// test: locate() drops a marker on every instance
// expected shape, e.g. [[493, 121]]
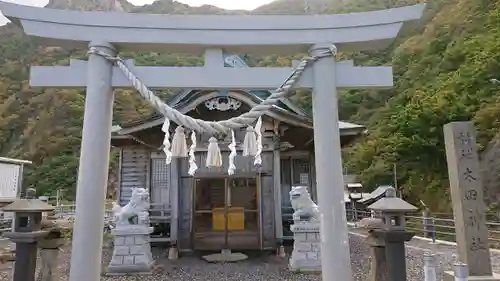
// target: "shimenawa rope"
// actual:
[[207, 126]]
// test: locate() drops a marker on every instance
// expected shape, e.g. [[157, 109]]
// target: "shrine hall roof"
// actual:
[[239, 61], [290, 112]]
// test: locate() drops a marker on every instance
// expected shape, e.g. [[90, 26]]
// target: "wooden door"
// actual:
[[226, 214]]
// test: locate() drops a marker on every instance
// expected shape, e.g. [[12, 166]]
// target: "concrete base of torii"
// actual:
[[450, 276]]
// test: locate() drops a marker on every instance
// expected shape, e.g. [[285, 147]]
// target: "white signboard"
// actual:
[[9, 179]]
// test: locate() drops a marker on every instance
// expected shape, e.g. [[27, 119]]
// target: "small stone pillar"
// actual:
[[306, 255], [378, 266], [132, 251], [50, 246], [49, 258], [427, 223], [392, 235], [26, 232]]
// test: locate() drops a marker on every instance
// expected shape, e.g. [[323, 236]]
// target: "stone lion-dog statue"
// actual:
[[137, 208], [304, 208]]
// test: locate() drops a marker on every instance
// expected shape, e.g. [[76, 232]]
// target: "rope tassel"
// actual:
[[192, 164], [258, 130], [214, 157], [166, 141], [232, 147], [250, 142], [179, 145]]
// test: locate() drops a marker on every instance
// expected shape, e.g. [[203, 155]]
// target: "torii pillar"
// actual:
[[253, 34], [329, 172], [94, 165]]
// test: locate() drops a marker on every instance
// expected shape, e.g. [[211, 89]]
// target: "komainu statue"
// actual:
[[136, 212], [304, 208], [132, 249]]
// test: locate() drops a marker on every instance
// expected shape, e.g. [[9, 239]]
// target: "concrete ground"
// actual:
[[263, 267]]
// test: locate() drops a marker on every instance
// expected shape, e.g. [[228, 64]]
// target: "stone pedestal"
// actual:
[[26, 251], [450, 276], [306, 255], [49, 258], [394, 244], [132, 251], [378, 266], [48, 266]]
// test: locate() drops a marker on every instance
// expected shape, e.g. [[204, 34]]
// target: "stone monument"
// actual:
[[466, 190], [306, 255], [132, 250]]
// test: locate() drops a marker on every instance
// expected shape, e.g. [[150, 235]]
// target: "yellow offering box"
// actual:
[[235, 219]]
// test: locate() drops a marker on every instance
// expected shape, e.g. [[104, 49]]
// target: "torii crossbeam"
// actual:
[[210, 76], [110, 32]]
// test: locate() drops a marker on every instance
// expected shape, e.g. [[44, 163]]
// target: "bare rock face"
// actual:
[[91, 5], [490, 169], [296, 7]]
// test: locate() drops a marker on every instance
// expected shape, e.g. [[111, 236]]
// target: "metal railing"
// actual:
[[433, 226], [69, 210], [5, 225], [436, 226], [158, 216]]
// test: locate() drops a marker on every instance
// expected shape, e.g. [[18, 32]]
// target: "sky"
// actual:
[[226, 4]]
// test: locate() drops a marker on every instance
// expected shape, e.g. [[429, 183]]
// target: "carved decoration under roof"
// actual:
[[223, 104], [283, 146]]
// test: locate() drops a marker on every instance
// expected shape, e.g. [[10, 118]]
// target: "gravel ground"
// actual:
[[269, 267]]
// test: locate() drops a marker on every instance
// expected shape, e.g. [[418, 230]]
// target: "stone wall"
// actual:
[[306, 255]]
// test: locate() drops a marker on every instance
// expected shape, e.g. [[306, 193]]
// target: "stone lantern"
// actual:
[[392, 210], [388, 239], [26, 231]]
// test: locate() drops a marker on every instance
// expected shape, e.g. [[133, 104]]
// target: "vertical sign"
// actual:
[[467, 197], [9, 180]]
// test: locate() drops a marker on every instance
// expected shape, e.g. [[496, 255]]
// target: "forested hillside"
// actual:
[[442, 74]]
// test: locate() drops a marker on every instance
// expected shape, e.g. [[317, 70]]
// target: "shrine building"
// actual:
[[212, 210]]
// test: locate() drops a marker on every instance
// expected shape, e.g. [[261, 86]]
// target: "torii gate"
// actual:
[[110, 32]]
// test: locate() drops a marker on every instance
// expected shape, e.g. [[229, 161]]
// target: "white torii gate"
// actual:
[[110, 32]]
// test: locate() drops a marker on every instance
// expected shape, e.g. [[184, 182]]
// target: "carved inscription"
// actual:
[[464, 138], [471, 195], [466, 146], [478, 244], [475, 219], [468, 175], [466, 154]]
